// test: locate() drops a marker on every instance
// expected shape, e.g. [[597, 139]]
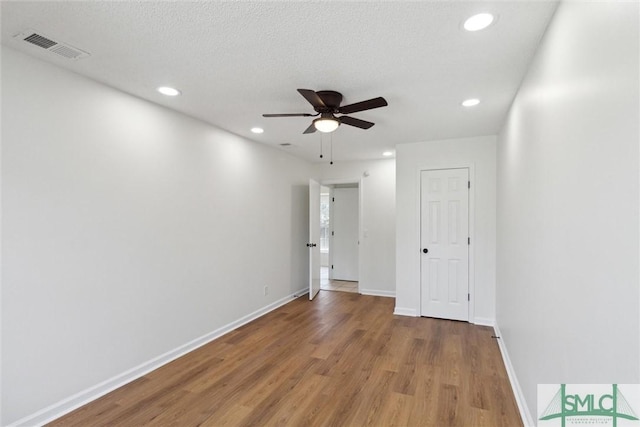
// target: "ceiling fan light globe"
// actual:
[[326, 125]]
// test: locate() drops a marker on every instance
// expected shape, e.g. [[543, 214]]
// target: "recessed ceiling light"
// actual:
[[387, 153], [478, 22], [257, 130], [470, 102], [169, 91]]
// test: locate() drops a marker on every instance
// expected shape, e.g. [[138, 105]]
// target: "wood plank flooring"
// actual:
[[340, 360], [339, 285]]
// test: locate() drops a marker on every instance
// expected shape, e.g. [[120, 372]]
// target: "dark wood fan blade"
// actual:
[[310, 129], [312, 97], [369, 104], [290, 115], [352, 121]]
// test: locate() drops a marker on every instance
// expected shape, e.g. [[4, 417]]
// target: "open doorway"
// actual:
[[339, 237]]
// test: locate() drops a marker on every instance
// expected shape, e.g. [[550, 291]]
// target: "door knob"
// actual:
[[425, 251]]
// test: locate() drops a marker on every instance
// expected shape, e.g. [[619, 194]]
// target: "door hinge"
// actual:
[[468, 297], [468, 240], [468, 184], [332, 233], [332, 266], [333, 199]]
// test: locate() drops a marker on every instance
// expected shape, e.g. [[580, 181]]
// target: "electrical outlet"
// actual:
[[266, 290]]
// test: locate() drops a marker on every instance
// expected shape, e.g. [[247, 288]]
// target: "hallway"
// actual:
[[335, 285]]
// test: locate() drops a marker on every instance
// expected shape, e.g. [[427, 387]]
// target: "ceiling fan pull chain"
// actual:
[[331, 147], [321, 145]]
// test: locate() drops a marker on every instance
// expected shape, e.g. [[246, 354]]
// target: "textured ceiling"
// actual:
[[234, 61]]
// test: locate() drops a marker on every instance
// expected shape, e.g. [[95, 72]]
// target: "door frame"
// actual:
[[359, 181], [472, 283]]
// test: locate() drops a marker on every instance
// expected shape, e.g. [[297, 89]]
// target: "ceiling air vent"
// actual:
[[38, 40], [286, 144], [45, 42]]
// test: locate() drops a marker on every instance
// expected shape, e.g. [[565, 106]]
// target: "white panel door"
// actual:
[[314, 238], [444, 251], [345, 234]]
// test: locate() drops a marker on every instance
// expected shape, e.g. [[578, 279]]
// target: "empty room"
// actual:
[[340, 213]]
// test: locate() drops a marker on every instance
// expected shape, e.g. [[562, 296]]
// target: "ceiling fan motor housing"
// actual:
[[331, 99]]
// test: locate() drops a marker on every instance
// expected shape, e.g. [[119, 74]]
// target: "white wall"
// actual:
[[377, 251], [480, 153], [128, 230], [567, 247]]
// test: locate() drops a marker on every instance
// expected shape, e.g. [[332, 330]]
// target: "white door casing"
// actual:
[[444, 234], [314, 238], [345, 234]]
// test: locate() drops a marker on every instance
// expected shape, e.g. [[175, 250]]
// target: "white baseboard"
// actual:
[[377, 293], [484, 321], [403, 311], [299, 293], [71, 403], [525, 414]]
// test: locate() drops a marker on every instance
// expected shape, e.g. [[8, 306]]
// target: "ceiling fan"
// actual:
[[326, 103]]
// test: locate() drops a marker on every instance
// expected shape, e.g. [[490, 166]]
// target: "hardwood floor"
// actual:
[[339, 285], [340, 360]]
